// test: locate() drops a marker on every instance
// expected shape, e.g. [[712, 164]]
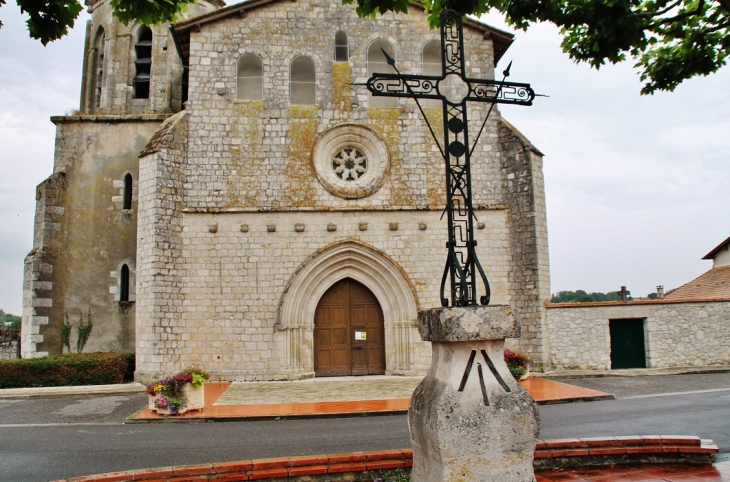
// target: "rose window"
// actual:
[[351, 160], [349, 164]]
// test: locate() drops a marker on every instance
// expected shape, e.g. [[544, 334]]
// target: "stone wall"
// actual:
[[41, 275], [248, 154], [9, 350], [238, 216], [237, 269], [9, 344], [158, 321], [530, 271], [83, 235], [676, 333]]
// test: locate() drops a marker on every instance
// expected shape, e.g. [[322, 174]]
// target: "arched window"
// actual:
[[127, 192], [124, 283], [431, 65], [342, 51], [143, 63], [378, 63], [249, 77], [302, 87], [99, 68]]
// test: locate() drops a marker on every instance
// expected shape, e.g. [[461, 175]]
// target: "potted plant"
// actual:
[[179, 393], [518, 364]]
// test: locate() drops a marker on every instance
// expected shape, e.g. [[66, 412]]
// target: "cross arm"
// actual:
[[399, 85], [500, 92]]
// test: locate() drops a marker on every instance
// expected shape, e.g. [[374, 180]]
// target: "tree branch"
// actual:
[[699, 8], [662, 12], [716, 28], [725, 4]]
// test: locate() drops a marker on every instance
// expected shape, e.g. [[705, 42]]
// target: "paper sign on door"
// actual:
[[360, 335]]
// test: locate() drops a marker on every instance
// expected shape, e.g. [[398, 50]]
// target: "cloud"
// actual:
[[636, 185], [36, 82]]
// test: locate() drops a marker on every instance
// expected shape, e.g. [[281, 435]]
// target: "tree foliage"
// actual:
[[581, 296], [7, 320], [49, 19], [669, 40], [149, 12]]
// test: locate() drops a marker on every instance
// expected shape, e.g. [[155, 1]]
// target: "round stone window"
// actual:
[[350, 161], [349, 164]]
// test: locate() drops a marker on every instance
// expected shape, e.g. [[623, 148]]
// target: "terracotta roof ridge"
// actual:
[[590, 304]]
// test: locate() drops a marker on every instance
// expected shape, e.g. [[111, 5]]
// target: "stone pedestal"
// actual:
[[469, 419]]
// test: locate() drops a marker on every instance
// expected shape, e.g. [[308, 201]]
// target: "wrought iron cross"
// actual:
[[454, 89], [624, 294]]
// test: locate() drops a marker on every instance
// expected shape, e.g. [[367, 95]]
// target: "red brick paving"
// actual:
[[719, 472]]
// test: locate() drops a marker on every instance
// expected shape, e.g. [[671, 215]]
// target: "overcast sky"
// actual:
[[637, 187]]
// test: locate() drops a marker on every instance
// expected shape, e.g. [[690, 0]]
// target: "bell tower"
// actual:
[[131, 69]]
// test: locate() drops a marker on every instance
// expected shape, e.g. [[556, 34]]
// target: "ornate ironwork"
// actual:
[[455, 89]]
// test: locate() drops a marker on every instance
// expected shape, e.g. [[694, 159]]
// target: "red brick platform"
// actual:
[[543, 391], [640, 459]]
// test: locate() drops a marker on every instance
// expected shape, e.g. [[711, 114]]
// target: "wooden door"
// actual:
[[627, 343], [349, 336]]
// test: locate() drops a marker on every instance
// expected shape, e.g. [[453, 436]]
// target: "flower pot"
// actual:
[[166, 411], [196, 396], [163, 411], [526, 375]]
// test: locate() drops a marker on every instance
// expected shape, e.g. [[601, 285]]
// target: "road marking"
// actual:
[[677, 393], [80, 424]]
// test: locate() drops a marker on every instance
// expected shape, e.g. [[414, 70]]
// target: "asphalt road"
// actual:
[[51, 438], [627, 387]]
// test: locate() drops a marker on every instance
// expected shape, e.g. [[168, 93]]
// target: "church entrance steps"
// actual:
[[340, 396]]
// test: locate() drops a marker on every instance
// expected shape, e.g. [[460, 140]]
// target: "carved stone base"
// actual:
[[469, 419]]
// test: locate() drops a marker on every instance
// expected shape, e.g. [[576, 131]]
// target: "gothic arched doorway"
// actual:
[[349, 335]]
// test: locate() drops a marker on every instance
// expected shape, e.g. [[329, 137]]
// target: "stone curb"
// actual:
[[586, 451], [636, 372], [78, 390]]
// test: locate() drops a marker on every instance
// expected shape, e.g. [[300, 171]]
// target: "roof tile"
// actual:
[[712, 284]]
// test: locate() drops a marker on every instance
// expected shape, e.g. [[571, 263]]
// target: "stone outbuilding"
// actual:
[[688, 327], [230, 196]]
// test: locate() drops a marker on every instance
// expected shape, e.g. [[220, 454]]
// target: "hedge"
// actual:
[[66, 370]]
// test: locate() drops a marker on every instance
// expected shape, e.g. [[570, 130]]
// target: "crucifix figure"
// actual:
[[454, 89]]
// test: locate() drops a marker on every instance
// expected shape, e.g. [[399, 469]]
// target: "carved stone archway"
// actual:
[[368, 266]]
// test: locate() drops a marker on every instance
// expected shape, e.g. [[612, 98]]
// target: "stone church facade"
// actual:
[[284, 224]]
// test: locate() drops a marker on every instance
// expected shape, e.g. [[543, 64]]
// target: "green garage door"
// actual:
[[627, 343]]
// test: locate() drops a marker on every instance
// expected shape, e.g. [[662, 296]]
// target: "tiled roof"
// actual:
[[720, 246], [714, 284]]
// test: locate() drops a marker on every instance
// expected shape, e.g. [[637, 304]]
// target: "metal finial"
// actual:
[[506, 71], [391, 60]]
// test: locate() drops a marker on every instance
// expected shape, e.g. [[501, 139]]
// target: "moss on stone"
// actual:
[[299, 170]]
